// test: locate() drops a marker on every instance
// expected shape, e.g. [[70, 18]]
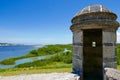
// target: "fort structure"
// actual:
[[94, 41]]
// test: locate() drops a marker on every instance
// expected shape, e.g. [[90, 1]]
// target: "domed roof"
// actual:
[[93, 8]]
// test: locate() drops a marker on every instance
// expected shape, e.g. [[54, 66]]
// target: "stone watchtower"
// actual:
[[94, 41]]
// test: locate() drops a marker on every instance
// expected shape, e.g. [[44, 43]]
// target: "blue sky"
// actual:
[[43, 21]]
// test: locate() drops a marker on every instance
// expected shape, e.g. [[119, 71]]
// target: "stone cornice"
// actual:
[[106, 25], [95, 14]]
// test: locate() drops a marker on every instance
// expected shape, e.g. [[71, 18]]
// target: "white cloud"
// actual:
[[118, 37]]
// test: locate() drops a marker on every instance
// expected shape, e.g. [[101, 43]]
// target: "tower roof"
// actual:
[[93, 8], [94, 17]]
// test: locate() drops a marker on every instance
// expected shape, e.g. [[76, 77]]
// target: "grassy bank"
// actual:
[[19, 71], [118, 54], [37, 70]]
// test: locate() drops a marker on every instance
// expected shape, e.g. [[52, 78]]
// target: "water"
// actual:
[[21, 61], [14, 51]]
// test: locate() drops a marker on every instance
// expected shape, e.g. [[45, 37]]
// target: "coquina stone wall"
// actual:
[[77, 51], [109, 49]]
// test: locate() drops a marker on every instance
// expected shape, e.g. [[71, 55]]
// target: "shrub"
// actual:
[[118, 54], [34, 52], [8, 61]]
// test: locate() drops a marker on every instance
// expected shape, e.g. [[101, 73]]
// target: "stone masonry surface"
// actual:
[[112, 73], [51, 76]]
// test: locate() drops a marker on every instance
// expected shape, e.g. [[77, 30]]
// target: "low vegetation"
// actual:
[[63, 58], [8, 61], [118, 54], [60, 62], [19, 71], [46, 50]]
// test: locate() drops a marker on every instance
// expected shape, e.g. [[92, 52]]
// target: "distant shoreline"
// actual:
[[9, 44]]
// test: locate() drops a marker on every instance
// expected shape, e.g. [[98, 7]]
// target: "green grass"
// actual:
[[118, 54], [118, 67], [57, 65], [49, 68], [37, 70], [19, 71]]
